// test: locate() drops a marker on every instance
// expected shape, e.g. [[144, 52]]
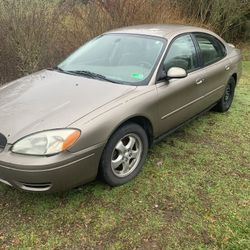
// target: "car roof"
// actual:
[[160, 30]]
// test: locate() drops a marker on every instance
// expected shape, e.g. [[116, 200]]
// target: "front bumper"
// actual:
[[49, 174]]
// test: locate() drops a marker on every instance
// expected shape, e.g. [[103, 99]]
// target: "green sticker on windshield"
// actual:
[[138, 76]]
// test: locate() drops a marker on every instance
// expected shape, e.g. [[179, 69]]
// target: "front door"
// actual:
[[180, 99]]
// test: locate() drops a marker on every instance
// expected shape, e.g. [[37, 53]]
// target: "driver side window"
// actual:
[[182, 53]]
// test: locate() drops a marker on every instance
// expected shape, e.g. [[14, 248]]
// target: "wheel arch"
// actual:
[[141, 120], [235, 76]]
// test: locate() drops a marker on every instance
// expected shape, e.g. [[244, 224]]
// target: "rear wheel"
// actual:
[[226, 101], [124, 155]]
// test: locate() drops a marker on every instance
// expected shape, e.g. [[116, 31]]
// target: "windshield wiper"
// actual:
[[92, 75], [85, 73], [57, 69]]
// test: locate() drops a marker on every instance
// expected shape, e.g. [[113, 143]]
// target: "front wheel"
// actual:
[[226, 101], [124, 154]]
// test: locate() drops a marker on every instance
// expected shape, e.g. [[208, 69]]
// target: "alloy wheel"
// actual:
[[126, 155]]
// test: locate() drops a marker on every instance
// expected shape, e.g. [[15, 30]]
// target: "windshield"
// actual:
[[120, 58]]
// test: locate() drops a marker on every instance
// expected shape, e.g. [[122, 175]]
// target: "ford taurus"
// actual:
[[99, 111]]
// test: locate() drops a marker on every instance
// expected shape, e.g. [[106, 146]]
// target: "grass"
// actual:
[[245, 50], [193, 193]]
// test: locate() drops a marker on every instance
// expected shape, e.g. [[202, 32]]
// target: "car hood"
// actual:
[[49, 100]]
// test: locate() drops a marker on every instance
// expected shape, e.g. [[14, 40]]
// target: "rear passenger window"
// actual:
[[182, 53], [212, 50]]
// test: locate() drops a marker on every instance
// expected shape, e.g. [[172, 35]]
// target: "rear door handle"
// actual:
[[200, 81], [227, 67]]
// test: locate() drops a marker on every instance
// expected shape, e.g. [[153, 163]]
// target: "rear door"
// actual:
[[216, 65], [180, 99]]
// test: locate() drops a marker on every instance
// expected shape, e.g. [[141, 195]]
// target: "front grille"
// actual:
[[3, 142]]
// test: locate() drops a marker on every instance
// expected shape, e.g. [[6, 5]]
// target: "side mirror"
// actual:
[[176, 72]]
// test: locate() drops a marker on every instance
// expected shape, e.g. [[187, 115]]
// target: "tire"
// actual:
[[124, 155], [226, 101]]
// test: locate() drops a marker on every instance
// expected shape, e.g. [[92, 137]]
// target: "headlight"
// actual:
[[46, 143]]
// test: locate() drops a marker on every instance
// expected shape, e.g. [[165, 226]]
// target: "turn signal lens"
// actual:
[[70, 140]]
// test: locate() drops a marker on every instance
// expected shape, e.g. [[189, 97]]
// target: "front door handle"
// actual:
[[227, 67], [200, 81]]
